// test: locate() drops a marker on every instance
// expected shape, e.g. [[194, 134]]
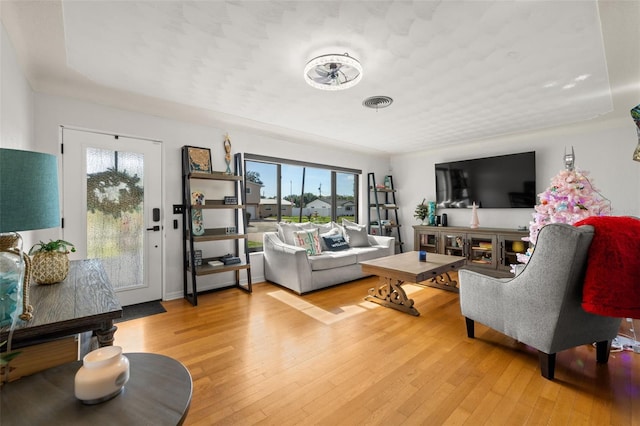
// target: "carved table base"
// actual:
[[444, 282], [391, 295]]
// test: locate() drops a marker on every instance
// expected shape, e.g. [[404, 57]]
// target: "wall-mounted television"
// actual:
[[504, 181]]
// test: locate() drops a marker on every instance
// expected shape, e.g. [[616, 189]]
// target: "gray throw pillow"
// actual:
[[357, 236]]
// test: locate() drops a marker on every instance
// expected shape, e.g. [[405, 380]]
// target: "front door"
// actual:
[[111, 208]]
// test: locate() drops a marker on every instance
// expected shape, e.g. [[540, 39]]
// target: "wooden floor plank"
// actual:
[[257, 360]]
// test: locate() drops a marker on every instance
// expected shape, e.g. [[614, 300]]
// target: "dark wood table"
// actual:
[[406, 267], [158, 393], [84, 301]]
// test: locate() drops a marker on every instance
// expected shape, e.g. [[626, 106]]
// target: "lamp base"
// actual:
[[11, 242]]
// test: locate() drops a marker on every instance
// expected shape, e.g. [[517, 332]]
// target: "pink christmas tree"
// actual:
[[570, 198]]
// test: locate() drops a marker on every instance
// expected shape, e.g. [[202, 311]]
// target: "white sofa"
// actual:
[[292, 267]]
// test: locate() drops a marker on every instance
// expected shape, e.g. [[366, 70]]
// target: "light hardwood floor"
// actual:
[[257, 360]]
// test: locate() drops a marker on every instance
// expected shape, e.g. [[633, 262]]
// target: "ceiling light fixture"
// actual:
[[333, 72]]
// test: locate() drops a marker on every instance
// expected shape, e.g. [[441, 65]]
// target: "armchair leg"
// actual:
[[470, 327], [602, 351], [547, 364]]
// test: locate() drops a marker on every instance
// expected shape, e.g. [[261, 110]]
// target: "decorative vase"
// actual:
[[197, 221], [15, 276], [103, 374], [474, 216], [11, 277], [50, 267], [431, 208]]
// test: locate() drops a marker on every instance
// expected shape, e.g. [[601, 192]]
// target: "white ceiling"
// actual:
[[458, 71]]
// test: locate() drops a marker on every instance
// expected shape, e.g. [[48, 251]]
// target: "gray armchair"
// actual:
[[541, 306]]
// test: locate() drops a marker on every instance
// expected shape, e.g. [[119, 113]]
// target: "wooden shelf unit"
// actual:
[[213, 235], [382, 202]]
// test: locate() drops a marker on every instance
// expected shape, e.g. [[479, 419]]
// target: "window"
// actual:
[[296, 191]]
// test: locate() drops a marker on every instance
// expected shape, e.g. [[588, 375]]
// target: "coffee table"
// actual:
[[406, 267]]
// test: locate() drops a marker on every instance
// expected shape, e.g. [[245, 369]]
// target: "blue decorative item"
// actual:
[[431, 212]]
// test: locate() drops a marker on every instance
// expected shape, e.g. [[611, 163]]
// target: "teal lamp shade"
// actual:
[[28, 191]]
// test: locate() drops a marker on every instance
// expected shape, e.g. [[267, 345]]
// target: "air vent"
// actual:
[[377, 102]]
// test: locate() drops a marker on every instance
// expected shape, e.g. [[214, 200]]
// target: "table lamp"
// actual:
[[28, 201]]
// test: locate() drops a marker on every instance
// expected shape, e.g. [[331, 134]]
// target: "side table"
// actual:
[[84, 301], [158, 393]]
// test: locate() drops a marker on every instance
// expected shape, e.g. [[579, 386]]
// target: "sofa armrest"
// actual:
[[285, 264], [387, 242]]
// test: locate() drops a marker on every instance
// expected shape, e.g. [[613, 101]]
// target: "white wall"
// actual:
[[603, 149], [53, 111], [16, 100], [16, 113]]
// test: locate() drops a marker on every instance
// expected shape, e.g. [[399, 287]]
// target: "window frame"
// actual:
[[278, 162]]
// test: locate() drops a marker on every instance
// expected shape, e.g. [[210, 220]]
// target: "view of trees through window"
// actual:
[[278, 190]]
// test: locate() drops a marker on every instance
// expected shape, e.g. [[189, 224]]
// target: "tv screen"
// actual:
[[505, 181]]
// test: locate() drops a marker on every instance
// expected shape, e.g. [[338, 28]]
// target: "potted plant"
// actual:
[[422, 211], [50, 262]]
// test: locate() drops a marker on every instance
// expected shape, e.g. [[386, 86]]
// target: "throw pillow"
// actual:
[[308, 240], [357, 236], [332, 231], [335, 242], [346, 222], [286, 231]]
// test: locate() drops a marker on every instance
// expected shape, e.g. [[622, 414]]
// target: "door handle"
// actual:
[[155, 228]]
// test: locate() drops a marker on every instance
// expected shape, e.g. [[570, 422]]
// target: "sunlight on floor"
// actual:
[[326, 317]]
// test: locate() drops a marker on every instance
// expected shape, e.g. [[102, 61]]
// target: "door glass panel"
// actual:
[[115, 214]]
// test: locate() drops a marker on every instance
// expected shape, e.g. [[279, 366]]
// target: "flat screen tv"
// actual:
[[505, 181]]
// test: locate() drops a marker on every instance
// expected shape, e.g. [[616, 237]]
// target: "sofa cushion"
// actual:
[[368, 253], [308, 240], [333, 259]]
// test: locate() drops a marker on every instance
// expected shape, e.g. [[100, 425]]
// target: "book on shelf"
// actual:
[[231, 260], [215, 263]]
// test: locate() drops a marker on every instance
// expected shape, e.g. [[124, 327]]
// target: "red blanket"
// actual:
[[612, 282]]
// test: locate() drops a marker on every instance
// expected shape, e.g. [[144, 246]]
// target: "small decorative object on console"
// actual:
[[475, 223], [421, 212]]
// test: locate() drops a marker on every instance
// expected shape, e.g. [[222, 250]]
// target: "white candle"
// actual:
[[102, 376]]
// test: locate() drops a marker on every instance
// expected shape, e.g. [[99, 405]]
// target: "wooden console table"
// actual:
[[158, 393], [84, 301]]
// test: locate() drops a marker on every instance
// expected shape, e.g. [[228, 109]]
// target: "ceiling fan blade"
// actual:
[[323, 80]]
